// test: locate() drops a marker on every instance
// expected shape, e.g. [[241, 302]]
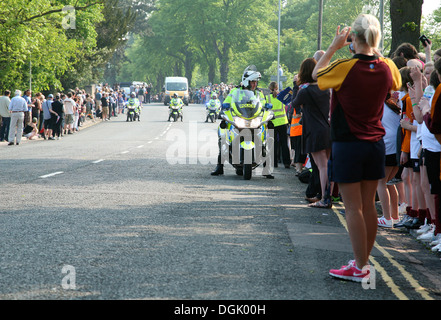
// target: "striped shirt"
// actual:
[[360, 86]]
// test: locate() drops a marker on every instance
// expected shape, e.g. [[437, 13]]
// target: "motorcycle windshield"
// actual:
[[246, 103]]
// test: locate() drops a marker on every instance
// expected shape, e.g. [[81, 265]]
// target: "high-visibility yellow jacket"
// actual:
[[278, 109]]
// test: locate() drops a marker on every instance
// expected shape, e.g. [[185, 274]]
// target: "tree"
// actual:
[[34, 33], [406, 22]]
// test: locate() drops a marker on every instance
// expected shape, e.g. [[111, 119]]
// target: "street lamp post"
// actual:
[[320, 22], [30, 72], [278, 48]]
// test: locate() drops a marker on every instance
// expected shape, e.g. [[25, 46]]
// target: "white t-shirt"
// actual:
[[390, 122], [414, 141], [428, 139], [69, 105]]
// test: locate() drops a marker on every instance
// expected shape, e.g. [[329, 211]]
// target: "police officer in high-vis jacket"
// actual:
[[280, 122], [250, 79], [133, 103], [176, 102]]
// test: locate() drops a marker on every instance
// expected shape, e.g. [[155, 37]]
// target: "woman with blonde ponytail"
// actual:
[[360, 87]]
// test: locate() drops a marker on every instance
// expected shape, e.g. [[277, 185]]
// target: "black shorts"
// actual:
[[354, 161], [47, 123], [415, 165], [391, 160], [432, 163]]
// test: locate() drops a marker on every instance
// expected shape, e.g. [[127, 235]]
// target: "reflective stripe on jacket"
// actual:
[[295, 128]]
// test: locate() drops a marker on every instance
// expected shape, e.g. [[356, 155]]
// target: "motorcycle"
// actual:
[[212, 111], [246, 138], [175, 113], [132, 113]]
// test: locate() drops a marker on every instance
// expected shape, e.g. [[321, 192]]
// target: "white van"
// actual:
[[177, 85]]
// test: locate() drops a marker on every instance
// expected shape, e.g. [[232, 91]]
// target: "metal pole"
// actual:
[[278, 50], [30, 72], [319, 37]]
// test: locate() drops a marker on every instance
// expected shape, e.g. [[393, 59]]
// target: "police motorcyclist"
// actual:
[[133, 103], [176, 101], [249, 81], [213, 104]]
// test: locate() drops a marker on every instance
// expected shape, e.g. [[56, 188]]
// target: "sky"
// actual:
[[430, 5]]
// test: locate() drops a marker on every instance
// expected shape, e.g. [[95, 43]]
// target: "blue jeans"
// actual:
[[4, 130]]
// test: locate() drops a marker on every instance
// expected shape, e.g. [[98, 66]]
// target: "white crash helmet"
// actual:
[[250, 74]]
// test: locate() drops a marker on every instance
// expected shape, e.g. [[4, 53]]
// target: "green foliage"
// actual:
[[431, 27], [147, 40], [34, 41]]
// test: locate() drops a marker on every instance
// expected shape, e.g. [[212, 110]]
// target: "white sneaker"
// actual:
[[436, 248], [436, 240], [385, 223], [426, 237], [424, 228]]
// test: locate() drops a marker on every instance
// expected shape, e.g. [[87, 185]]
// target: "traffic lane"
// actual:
[[103, 140]]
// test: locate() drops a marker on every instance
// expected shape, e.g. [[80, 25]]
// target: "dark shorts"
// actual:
[[47, 123], [296, 145], [354, 161], [432, 163], [391, 160], [415, 165]]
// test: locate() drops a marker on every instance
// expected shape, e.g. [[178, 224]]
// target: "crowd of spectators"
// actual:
[[408, 196], [52, 116], [203, 94]]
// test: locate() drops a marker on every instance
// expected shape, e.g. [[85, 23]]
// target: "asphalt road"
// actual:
[[124, 211]]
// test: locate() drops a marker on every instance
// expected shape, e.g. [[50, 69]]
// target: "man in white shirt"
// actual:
[[18, 106], [70, 107], [5, 115]]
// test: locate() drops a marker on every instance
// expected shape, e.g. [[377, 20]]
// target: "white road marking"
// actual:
[[98, 161], [51, 174]]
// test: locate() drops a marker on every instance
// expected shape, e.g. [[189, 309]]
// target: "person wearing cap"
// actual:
[[31, 129], [17, 107]]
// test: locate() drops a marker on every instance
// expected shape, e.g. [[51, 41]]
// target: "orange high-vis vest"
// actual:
[[296, 128]]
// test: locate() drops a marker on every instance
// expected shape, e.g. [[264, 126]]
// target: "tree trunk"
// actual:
[[406, 19], [211, 72], [188, 65], [224, 57]]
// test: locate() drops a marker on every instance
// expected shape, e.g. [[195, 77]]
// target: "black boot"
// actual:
[[219, 170]]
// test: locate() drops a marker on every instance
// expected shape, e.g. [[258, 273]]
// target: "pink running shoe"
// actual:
[[350, 272]]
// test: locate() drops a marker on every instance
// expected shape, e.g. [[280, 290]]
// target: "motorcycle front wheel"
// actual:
[[247, 171]]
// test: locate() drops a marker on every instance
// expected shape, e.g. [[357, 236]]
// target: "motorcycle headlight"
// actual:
[[248, 124]]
